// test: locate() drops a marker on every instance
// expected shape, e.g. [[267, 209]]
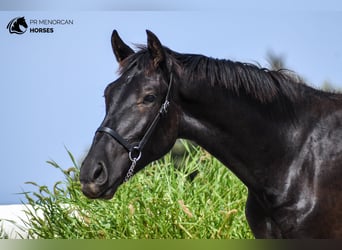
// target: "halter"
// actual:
[[135, 150]]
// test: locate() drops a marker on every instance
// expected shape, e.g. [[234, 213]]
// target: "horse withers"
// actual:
[[282, 138]]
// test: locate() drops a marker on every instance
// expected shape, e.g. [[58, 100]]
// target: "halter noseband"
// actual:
[[134, 150]]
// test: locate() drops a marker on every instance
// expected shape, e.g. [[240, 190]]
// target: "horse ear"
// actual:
[[120, 49], [155, 48]]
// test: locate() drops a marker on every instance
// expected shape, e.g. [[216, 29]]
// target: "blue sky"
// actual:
[[51, 85]]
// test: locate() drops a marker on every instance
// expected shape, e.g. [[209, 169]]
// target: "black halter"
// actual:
[[134, 150]]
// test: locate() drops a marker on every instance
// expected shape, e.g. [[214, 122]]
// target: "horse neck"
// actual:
[[236, 130]]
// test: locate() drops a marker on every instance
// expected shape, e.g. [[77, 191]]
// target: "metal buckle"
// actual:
[[164, 108]]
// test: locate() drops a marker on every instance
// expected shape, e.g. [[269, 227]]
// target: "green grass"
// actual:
[[157, 203]]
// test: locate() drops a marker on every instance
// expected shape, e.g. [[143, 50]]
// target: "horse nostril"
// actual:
[[98, 171], [100, 174]]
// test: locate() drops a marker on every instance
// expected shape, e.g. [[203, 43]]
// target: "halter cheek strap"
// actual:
[[135, 150]]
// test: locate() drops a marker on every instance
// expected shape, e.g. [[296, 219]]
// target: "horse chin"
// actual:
[[93, 192], [108, 193]]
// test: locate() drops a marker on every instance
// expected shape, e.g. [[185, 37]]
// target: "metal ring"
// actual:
[[137, 158]]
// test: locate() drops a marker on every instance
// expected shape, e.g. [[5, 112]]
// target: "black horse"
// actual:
[[283, 139], [17, 25]]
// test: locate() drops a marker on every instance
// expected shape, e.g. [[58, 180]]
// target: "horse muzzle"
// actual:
[[95, 183]]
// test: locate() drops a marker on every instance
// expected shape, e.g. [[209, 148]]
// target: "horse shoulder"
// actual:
[[314, 181]]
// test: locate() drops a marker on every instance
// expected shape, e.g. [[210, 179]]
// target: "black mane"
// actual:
[[262, 84]]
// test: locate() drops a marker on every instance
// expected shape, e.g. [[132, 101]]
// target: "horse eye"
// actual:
[[149, 98]]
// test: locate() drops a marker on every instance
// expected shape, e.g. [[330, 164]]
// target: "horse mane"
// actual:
[[262, 84]]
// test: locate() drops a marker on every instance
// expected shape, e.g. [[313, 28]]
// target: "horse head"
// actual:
[[17, 25], [141, 121]]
